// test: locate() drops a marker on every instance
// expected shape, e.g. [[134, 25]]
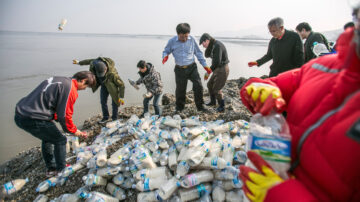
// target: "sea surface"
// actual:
[[28, 58]]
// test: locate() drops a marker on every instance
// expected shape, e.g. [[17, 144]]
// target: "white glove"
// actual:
[[148, 95]]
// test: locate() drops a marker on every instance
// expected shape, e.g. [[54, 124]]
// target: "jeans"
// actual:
[[155, 104], [104, 94], [53, 141], [181, 77]]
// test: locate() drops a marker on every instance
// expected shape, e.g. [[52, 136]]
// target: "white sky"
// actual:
[[162, 16]]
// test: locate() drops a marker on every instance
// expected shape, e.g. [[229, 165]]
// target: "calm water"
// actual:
[[26, 59]]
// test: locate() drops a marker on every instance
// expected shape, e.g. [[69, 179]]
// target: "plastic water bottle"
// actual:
[[156, 156], [163, 144], [172, 158], [128, 183], [199, 139], [216, 146], [240, 157], [228, 153], [191, 122], [100, 197], [101, 158], [147, 196], [119, 156], [152, 146], [226, 127], [183, 152], [115, 124], [198, 155], [214, 163], [150, 184], [116, 191], [74, 143], [194, 193], [218, 194], [61, 181], [82, 192], [196, 178], [45, 185], [234, 196], [118, 179], [177, 139], [168, 121], [108, 171], [228, 185], [133, 119], [84, 157], [71, 169], [152, 173], [41, 198], [143, 155], [168, 188], [182, 169], [195, 131], [68, 198], [228, 173], [92, 179], [319, 49], [164, 157]]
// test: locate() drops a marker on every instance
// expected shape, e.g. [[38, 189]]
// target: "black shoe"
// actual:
[[203, 109], [178, 111], [221, 107], [103, 121], [212, 101]]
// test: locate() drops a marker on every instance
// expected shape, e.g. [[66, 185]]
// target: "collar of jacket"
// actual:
[[209, 49]]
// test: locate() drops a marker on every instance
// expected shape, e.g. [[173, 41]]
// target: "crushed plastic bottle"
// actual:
[[108, 171], [196, 178], [12, 186], [71, 169], [150, 184], [100, 197], [115, 191], [168, 188], [182, 169], [41, 198], [194, 193], [92, 179], [152, 173], [45, 185], [214, 163]]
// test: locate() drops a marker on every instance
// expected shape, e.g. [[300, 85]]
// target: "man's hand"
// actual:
[[133, 84], [121, 101], [148, 95], [264, 98], [75, 62], [165, 59], [254, 63], [257, 184], [206, 76], [78, 133]]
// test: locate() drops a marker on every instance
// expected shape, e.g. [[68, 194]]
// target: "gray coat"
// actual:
[[151, 79]]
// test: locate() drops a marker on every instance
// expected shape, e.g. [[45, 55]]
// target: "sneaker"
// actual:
[[51, 173], [103, 121]]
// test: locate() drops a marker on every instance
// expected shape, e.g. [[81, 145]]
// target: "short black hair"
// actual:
[[91, 81], [349, 24], [303, 25], [141, 64], [183, 28]]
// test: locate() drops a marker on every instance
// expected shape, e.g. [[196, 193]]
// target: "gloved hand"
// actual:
[[206, 76], [80, 134], [165, 59], [208, 70], [264, 98], [121, 101], [148, 95], [257, 184], [133, 83], [75, 62], [250, 64]]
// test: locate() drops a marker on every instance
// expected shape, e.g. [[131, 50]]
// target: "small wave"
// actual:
[[24, 77]]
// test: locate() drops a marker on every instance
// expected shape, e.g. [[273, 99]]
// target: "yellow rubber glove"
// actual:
[[263, 89], [121, 101], [256, 185]]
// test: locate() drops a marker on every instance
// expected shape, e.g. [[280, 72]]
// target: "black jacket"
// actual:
[[309, 44], [217, 52], [287, 53]]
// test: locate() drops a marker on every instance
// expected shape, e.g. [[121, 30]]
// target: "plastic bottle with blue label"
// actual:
[[92, 179], [240, 157], [196, 178], [150, 184], [168, 188], [100, 197], [157, 172], [115, 191], [194, 193], [118, 179], [218, 193], [41, 198], [45, 185], [214, 163], [12, 186], [67, 171], [270, 138], [228, 173]]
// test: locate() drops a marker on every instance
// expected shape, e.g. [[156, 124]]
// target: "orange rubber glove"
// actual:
[[206, 76], [208, 70], [79, 133], [250, 64], [258, 96], [121, 101], [257, 184], [165, 59]]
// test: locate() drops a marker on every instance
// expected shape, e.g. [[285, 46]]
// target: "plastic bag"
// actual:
[[270, 138]]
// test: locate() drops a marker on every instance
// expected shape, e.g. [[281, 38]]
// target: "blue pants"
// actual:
[[53, 141], [155, 104], [104, 94]]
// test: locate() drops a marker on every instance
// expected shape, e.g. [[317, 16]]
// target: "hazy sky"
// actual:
[[162, 16]]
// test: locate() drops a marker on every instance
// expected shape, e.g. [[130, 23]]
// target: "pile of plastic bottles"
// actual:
[[169, 159]]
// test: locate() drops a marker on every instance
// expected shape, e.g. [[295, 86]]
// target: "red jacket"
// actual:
[[323, 101]]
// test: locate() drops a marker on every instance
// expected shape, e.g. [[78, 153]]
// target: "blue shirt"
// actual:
[[184, 52]]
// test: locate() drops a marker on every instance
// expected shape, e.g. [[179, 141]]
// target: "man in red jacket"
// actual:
[[322, 100], [53, 99]]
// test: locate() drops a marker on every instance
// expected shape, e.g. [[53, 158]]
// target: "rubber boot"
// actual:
[[221, 107], [212, 101]]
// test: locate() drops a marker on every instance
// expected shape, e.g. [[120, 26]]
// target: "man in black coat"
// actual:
[[285, 49]]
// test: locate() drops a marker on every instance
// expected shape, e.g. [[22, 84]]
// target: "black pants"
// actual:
[[104, 94], [182, 76], [50, 136]]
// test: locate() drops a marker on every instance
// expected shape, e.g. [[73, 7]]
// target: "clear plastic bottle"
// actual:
[[119, 156], [228, 185], [142, 155], [92, 179], [234, 196], [41, 198], [99, 197], [82, 192], [101, 158], [168, 121], [202, 137], [163, 144], [74, 143], [228, 153], [164, 157], [115, 124], [214, 163], [226, 127], [191, 122], [128, 183], [68, 198], [168, 188], [118, 179], [45, 185], [182, 169], [198, 154], [194, 193], [150, 196], [228, 173], [240, 157], [152, 146], [67, 171], [177, 139], [156, 156], [218, 194], [195, 131], [150, 184], [115, 191], [196, 178], [216, 146], [108, 171], [152, 173], [183, 152], [133, 119], [172, 158], [83, 157], [13, 186]]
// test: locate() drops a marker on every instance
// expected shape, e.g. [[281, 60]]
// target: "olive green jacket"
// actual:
[[112, 82]]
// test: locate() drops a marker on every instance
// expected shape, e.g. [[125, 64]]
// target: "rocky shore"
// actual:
[[29, 164]]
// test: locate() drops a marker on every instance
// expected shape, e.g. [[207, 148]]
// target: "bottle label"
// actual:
[[146, 184], [191, 178], [201, 189], [9, 187], [115, 191], [214, 162], [275, 148]]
